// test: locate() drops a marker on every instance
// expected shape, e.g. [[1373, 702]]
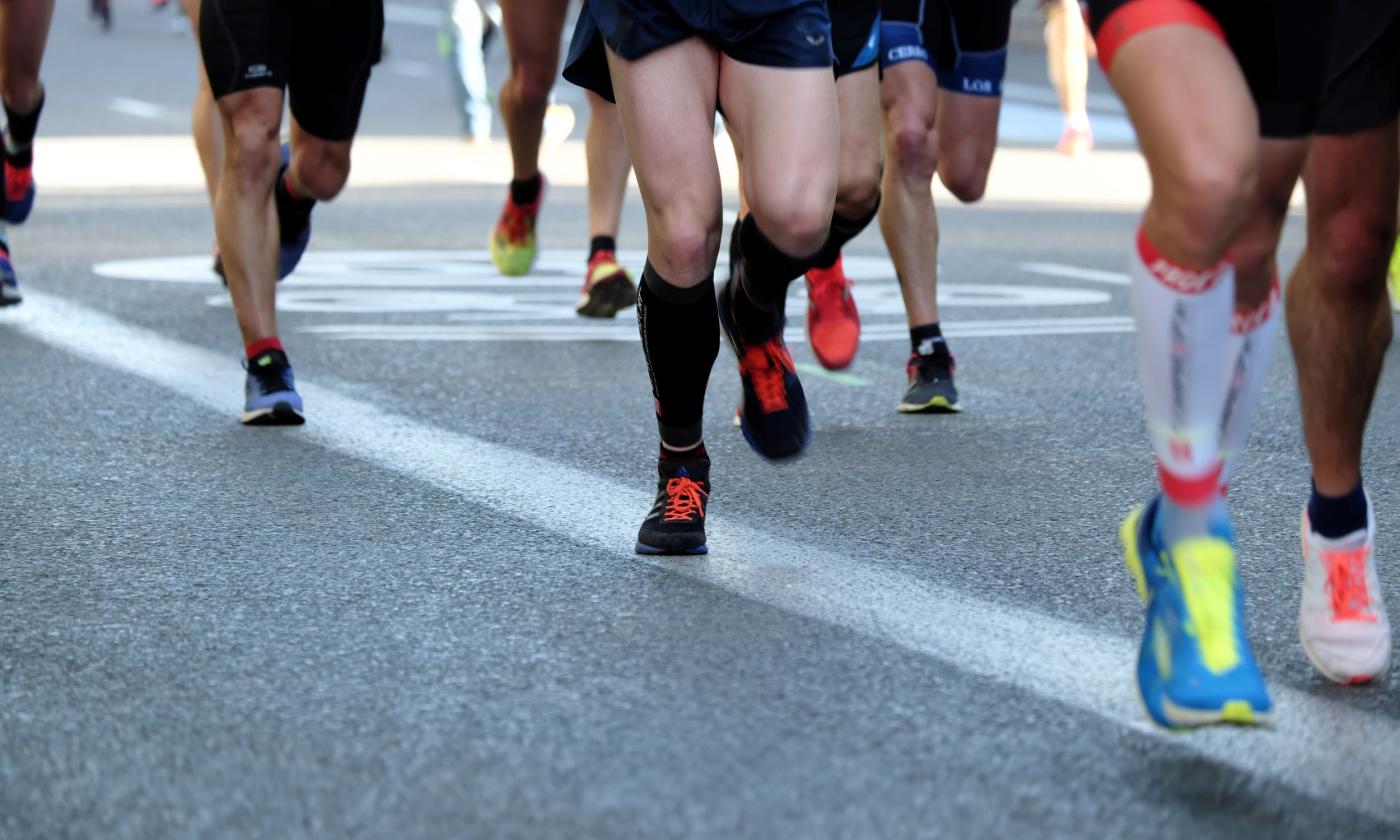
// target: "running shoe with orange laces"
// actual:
[[833, 324], [513, 246], [772, 407], [607, 288], [1341, 618], [676, 524], [19, 188]]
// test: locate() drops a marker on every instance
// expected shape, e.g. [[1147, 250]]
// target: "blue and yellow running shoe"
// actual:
[[1194, 667]]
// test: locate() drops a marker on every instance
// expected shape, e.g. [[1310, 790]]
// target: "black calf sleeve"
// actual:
[[680, 337], [843, 230], [767, 271]]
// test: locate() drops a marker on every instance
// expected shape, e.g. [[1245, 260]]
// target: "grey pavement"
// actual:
[[419, 615]]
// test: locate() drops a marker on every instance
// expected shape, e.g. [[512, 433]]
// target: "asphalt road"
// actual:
[[419, 615]]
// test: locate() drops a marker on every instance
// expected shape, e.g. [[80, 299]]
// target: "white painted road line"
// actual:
[[568, 328], [1117, 278], [1320, 747], [137, 108]]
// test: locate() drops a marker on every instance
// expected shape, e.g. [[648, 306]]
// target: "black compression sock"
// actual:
[[525, 192], [20, 133], [767, 271], [927, 340], [1337, 516], [843, 230], [293, 212], [680, 337], [601, 243]]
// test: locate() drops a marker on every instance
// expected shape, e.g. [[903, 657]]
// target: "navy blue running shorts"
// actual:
[[768, 33], [964, 41], [319, 51], [855, 34]]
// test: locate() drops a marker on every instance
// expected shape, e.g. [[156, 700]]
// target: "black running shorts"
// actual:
[[1363, 82], [768, 33], [320, 51], [964, 41], [855, 34], [1280, 46]]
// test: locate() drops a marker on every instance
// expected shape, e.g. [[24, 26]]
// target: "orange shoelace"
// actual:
[[765, 365], [1346, 578], [684, 499]]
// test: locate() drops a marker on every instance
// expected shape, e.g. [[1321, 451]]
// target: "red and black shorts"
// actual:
[[1281, 47], [319, 51]]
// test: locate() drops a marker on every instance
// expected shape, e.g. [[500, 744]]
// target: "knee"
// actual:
[[532, 80], [913, 147], [1206, 200], [1352, 250], [965, 179], [322, 170], [798, 227], [684, 248], [858, 192], [254, 153]]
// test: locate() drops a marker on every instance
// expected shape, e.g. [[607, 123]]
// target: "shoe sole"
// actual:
[[11, 301], [281, 414], [937, 405], [607, 297], [653, 551]]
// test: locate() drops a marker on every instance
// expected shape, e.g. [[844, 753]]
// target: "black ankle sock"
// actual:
[[20, 133], [927, 340], [843, 230], [1337, 516], [526, 191], [293, 214], [601, 243], [680, 337]]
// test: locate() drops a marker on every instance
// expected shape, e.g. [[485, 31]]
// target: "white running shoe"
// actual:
[[1341, 618]]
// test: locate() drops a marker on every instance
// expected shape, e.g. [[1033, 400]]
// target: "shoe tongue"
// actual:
[[683, 473]]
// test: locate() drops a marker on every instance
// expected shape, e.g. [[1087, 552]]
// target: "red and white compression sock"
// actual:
[[1251, 345], [1183, 328]]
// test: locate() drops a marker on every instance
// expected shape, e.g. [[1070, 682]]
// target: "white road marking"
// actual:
[[409, 68], [568, 328], [1320, 747], [137, 108], [412, 15], [1117, 278]]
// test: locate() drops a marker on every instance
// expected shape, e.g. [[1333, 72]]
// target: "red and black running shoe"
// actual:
[[772, 408], [676, 524]]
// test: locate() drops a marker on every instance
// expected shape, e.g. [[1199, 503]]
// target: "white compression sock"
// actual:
[[1183, 327], [1251, 346]]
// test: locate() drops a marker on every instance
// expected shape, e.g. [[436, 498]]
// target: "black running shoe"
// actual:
[[931, 389], [676, 524], [772, 407]]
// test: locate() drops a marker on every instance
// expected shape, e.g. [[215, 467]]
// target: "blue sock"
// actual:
[[1337, 516]]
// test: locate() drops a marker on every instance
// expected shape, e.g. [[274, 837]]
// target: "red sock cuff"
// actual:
[[262, 345], [1246, 321], [1174, 275], [1139, 16], [1192, 491]]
